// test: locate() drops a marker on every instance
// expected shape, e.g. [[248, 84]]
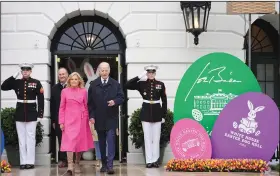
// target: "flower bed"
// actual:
[[5, 167], [217, 165]]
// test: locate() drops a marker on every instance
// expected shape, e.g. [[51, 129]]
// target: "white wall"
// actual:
[[154, 33], [162, 40], [24, 38]]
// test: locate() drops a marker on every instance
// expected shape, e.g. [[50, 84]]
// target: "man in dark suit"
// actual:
[[104, 97], [55, 103]]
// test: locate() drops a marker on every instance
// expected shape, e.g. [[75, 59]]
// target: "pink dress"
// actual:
[[73, 113]]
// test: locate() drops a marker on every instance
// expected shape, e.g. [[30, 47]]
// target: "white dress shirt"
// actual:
[[102, 80]]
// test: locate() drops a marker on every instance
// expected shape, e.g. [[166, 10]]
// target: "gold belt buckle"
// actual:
[[24, 101], [152, 102]]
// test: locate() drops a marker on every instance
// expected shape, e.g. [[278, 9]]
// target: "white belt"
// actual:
[[151, 102], [26, 101]]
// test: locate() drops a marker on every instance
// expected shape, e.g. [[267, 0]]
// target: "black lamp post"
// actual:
[[196, 15]]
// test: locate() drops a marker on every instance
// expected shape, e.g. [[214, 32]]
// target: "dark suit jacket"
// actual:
[[55, 102], [106, 117]]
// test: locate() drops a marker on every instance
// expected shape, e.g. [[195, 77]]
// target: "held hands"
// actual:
[[92, 121], [111, 103], [162, 120], [142, 75], [39, 119], [62, 127]]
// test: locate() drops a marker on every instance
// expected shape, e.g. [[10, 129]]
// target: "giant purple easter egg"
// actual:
[[248, 127]]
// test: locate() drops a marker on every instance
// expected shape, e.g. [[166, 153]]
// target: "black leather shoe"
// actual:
[[103, 169], [156, 165], [149, 165], [22, 167], [69, 172], [110, 171], [29, 166]]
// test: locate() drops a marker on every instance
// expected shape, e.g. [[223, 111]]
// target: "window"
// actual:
[[260, 41], [88, 36], [265, 77]]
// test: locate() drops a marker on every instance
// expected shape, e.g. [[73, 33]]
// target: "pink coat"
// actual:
[[73, 113]]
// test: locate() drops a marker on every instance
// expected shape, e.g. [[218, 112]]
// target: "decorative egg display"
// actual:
[[209, 84], [249, 126]]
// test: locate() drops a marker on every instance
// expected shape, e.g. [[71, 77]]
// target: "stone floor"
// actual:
[[89, 169]]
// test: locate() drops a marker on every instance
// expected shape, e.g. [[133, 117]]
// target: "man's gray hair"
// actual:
[[104, 64]]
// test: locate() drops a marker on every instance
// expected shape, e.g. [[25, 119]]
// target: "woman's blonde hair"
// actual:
[[81, 81]]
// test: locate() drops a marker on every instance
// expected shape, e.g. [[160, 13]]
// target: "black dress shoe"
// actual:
[[110, 171], [103, 169], [22, 167], [149, 165], [29, 166], [69, 172], [156, 165]]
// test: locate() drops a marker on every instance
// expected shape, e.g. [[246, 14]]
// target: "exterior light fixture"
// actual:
[[196, 15]]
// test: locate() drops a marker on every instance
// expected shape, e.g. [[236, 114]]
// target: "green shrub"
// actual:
[[8, 126], [137, 134], [277, 167]]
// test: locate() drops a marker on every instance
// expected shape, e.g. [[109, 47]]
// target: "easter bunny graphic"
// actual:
[[248, 125], [90, 74], [72, 66], [82, 65]]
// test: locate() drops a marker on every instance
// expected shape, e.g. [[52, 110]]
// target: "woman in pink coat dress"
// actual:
[[73, 120]]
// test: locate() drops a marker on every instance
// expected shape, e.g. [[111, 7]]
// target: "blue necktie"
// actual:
[[104, 82]]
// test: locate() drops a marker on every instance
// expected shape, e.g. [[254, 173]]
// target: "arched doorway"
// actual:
[[92, 39], [265, 57], [265, 60]]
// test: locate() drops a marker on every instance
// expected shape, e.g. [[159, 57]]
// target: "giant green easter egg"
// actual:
[[209, 84]]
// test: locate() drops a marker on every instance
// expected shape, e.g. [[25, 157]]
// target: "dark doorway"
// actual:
[[93, 39], [265, 57], [265, 60], [76, 64]]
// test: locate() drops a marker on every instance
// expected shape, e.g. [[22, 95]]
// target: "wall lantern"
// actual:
[[196, 15]]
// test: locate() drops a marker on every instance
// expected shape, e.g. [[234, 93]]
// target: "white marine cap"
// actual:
[[26, 66], [151, 68]]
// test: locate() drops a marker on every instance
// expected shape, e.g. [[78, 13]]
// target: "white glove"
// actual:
[[16, 74], [162, 120], [142, 74], [39, 119], [144, 78]]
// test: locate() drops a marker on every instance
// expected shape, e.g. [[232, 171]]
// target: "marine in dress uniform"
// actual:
[[26, 89], [152, 113]]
